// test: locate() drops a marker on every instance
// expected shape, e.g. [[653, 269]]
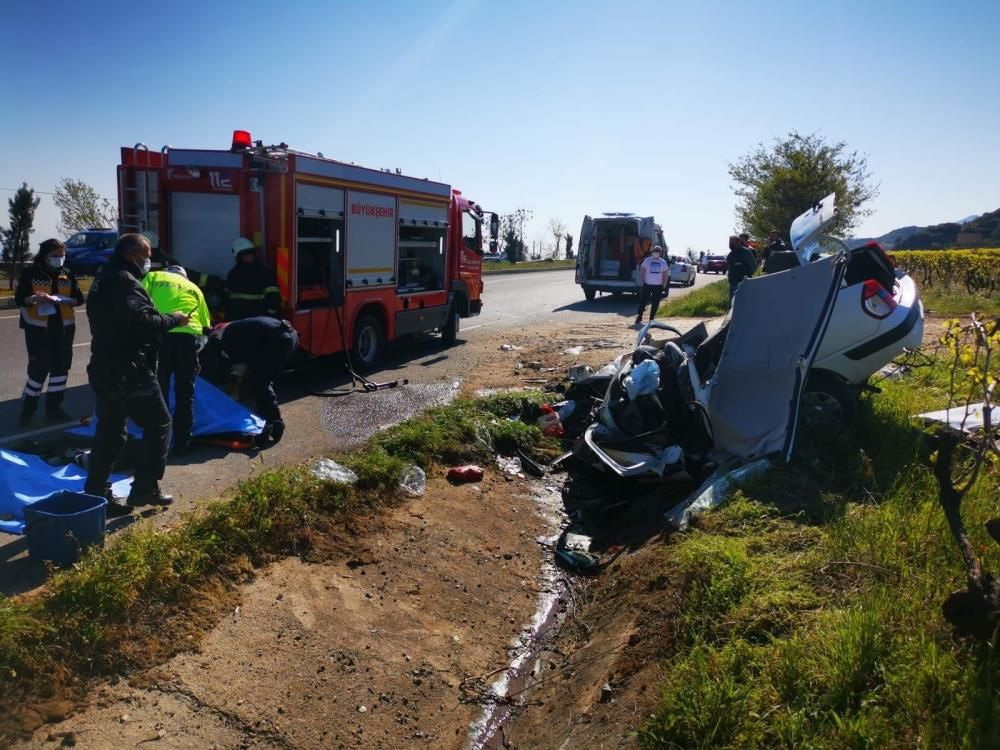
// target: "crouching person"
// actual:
[[172, 292], [265, 345]]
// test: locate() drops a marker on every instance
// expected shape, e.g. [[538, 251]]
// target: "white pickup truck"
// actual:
[[610, 250]]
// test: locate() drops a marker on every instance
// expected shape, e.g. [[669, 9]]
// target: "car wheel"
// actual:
[[449, 333], [827, 401], [590, 294], [367, 346]]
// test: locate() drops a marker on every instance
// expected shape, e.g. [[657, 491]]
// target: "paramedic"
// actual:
[[171, 292], [47, 292], [742, 263], [125, 330], [655, 283], [264, 344], [250, 286]]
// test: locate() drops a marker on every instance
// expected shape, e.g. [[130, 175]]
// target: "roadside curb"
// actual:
[[7, 303]]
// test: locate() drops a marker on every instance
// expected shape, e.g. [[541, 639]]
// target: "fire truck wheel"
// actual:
[[449, 333], [367, 343], [589, 294]]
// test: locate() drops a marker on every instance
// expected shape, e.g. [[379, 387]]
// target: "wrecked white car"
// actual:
[[798, 343]]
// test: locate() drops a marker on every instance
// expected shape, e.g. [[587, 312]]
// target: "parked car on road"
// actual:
[[90, 249], [682, 271], [714, 264]]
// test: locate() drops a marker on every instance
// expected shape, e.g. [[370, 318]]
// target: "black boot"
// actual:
[[55, 413], [116, 505], [29, 405], [140, 497]]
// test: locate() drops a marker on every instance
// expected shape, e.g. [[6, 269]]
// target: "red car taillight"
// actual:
[[876, 301]]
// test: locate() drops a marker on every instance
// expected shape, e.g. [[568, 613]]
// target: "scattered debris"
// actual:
[[467, 473], [330, 470], [509, 465], [573, 351], [550, 423], [966, 418], [413, 481], [509, 348]]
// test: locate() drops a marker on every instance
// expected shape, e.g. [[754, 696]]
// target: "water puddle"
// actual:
[[501, 696], [356, 417]]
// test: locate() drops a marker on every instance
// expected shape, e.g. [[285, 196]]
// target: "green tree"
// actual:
[[17, 237], [558, 230], [774, 185], [512, 233], [569, 245], [81, 207]]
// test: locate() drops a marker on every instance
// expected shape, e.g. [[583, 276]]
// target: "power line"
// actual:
[[14, 190]]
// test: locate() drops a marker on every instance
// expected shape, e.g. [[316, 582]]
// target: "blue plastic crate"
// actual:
[[60, 526]]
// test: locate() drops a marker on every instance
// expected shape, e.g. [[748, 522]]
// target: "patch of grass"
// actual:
[[504, 266], [127, 604], [947, 301], [812, 600], [706, 302]]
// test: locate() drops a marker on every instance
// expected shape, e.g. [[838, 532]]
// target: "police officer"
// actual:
[[171, 292], [47, 292], [125, 332], [251, 287], [264, 344]]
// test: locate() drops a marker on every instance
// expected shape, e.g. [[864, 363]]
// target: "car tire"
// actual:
[[589, 294], [366, 349], [449, 333], [827, 401]]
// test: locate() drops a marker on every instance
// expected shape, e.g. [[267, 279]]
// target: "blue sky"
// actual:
[[560, 107]]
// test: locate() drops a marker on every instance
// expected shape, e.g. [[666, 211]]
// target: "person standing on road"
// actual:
[[125, 328], [741, 263], [264, 344], [47, 294], [655, 283], [251, 289], [172, 292]]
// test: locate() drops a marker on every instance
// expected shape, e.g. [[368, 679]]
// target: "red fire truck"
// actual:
[[362, 256]]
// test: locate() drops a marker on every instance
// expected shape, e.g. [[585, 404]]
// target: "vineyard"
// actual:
[[975, 272]]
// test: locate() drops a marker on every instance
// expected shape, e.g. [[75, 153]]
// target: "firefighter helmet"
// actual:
[[242, 245], [179, 270]]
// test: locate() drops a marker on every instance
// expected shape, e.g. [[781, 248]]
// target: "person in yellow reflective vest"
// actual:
[[251, 288], [171, 292]]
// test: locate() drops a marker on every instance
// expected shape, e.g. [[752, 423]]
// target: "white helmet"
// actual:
[[242, 245], [152, 237], [179, 270]]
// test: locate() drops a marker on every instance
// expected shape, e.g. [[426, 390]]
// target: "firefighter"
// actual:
[[125, 329], [264, 345], [250, 286], [171, 292], [47, 294]]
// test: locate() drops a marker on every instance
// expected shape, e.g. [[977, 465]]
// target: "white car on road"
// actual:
[[682, 271]]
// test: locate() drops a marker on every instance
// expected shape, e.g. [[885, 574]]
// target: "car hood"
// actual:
[[808, 227], [754, 400]]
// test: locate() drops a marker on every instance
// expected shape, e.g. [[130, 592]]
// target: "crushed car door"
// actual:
[[807, 228], [778, 322]]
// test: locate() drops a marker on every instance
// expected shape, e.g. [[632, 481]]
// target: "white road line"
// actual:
[[9, 317], [85, 343], [39, 431]]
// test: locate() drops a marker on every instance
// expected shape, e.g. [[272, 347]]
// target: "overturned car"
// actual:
[[797, 347]]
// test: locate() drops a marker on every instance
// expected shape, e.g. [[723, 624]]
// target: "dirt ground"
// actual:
[[393, 641]]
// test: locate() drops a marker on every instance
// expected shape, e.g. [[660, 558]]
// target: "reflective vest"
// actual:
[[36, 280], [173, 293]]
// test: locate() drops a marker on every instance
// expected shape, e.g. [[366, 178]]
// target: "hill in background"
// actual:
[[975, 231]]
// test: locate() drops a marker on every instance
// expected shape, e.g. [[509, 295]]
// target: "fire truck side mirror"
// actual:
[[494, 229]]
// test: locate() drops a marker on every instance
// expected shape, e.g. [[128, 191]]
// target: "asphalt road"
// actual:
[[509, 299]]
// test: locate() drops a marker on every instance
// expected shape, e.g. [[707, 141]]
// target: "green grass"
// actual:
[[102, 616], [527, 266], [944, 302], [705, 302], [812, 600]]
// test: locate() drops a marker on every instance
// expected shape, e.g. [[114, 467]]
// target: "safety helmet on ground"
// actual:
[[243, 245], [179, 270]]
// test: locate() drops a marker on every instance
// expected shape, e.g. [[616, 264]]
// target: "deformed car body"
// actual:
[[797, 346]]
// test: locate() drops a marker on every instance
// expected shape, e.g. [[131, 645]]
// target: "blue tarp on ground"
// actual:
[[215, 413], [25, 479]]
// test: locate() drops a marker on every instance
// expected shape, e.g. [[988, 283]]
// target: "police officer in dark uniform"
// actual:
[[251, 288], [125, 331], [264, 344]]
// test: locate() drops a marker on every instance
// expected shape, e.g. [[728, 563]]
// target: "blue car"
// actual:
[[89, 250]]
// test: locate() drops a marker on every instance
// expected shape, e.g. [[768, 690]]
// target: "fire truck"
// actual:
[[361, 256]]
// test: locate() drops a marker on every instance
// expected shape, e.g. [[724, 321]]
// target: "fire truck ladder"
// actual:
[[139, 194]]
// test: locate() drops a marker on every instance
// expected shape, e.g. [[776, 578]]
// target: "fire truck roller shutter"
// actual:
[[202, 229], [371, 240], [315, 200]]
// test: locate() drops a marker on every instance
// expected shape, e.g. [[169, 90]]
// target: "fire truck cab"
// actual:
[[361, 256]]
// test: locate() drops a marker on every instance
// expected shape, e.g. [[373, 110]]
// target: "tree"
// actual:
[[80, 207], [16, 238], [558, 229], [512, 233], [569, 245], [775, 185]]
